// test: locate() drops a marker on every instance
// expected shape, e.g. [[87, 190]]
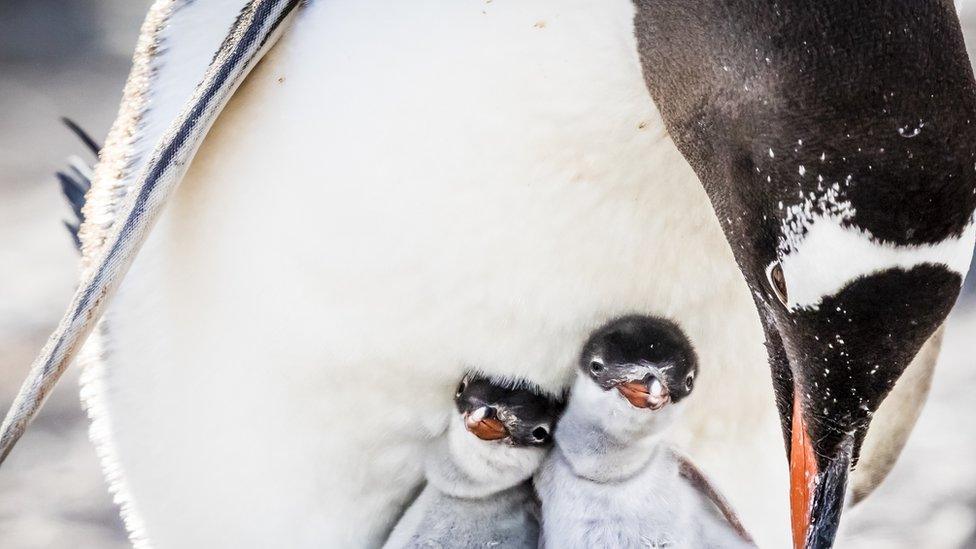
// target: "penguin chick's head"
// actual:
[[648, 360], [516, 414]]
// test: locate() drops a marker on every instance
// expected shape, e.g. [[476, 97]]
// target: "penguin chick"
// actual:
[[478, 492], [612, 480]]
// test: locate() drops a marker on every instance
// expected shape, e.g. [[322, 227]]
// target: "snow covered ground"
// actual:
[[51, 492]]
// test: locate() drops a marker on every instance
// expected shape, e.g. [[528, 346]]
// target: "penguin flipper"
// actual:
[[252, 35], [690, 472]]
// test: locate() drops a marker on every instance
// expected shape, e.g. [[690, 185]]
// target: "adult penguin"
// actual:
[[835, 144], [401, 190]]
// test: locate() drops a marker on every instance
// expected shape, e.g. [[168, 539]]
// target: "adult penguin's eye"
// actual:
[[777, 281], [540, 433], [596, 366], [463, 385]]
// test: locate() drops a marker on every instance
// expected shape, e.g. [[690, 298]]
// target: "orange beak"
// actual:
[[803, 474], [641, 396], [818, 484], [485, 428], [635, 392]]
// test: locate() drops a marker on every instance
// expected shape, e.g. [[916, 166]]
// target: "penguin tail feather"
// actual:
[[75, 180]]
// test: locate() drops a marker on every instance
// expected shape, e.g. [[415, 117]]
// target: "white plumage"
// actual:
[[397, 191], [477, 495], [612, 481]]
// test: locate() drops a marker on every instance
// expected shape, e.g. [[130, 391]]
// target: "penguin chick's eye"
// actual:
[[461, 388], [596, 366], [540, 433], [690, 382], [777, 281]]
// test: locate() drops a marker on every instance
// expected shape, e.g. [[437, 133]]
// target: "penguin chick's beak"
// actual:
[[650, 393], [817, 488], [483, 424]]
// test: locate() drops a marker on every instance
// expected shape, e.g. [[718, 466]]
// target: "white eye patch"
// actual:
[[830, 256]]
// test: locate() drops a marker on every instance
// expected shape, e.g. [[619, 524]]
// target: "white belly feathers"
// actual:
[[399, 192]]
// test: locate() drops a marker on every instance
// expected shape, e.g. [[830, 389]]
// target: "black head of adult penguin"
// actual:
[[837, 144]]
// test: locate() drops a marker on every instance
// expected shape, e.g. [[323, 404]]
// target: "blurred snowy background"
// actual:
[[57, 58], [69, 58]]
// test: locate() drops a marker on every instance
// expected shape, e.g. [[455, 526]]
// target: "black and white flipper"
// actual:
[[255, 31]]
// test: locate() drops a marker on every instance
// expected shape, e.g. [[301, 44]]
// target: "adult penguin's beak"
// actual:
[[833, 365], [818, 484]]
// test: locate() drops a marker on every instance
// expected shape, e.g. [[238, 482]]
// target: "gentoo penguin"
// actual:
[[612, 480], [397, 189], [849, 208], [478, 491]]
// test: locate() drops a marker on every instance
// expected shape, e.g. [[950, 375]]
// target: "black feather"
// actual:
[[75, 183], [73, 231], [92, 145], [74, 189]]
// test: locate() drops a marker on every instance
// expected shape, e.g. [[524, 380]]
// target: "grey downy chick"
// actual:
[[612, 480], [478, 491]]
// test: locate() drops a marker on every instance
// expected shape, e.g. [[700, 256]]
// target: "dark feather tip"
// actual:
[[75, 183], [85, 138]]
